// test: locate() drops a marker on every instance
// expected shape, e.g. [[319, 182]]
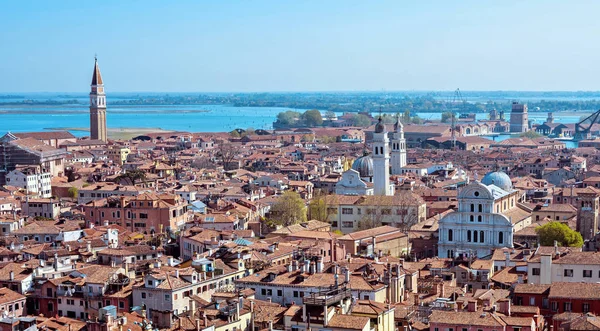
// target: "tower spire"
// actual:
[[97, 105], [96, 76]]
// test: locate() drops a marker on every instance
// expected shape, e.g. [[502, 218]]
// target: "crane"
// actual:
[[583, 127], [458, 98]]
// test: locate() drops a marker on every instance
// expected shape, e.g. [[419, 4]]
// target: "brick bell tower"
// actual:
[[97, 106], [587, 214]]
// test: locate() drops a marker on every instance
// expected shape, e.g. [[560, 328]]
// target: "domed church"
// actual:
[[370, 174], [489, 213]]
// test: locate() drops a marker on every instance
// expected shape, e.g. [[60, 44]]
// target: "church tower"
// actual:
[[398, 148], [97, 106], [587, 214], [381, 161]]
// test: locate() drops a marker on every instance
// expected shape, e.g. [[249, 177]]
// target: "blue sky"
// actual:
[[204, 46]]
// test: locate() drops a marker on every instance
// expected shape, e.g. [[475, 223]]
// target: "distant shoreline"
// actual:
[[115, 133]]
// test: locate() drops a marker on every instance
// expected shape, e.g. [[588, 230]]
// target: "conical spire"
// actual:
[[96, 76]]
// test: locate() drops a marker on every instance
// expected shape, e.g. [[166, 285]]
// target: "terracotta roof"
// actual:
[[96, 76]]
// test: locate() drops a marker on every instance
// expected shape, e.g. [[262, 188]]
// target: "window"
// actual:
[[450, 234], [480, 208], [472, 207], [535, 271], [587, 274], [567, 306], [532, 301], [347, 224], [554, 306], [469, 235], [479, 218], [475, 236], [295, 294], [501, 237], [347, 211], [386, 211], [481, 237], [167, 297], [279, 293], [471, 218], [143, 295], [568, 273], [545, 303], [585, 307], [143, 215]]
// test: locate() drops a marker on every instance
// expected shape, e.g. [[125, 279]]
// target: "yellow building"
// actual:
[[118, 154]]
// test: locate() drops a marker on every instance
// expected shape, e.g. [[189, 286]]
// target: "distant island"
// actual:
[[342, 102]]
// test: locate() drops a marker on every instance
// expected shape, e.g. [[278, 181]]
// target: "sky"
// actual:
[[262, 46]]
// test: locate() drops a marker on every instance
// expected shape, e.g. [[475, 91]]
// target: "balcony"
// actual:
[[327, 298]]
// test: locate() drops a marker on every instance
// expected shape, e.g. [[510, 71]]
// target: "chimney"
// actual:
[[89, 246], [507, 261], [105, 222], [556, 248], [12, 275], [55, 261], [347, 275], [320, 264], [192, 310], [520, 279], [472, 305], [177, 273], [170, 261], [198, 324]]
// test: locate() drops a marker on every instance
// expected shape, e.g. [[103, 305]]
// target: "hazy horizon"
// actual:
[[309, 46]]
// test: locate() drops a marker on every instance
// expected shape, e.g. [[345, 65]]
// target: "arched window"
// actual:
[[501, 237], [471, 218], [450, 235], [469, 235], [479, 218], [481, 237], [475, 236], [472, 207], [480, 208]]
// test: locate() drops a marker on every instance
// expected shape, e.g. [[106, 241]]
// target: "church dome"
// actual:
[[364, 166], [379, 127], [499, 179]]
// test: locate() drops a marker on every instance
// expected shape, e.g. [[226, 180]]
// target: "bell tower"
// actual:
[[587, 214], [97, 106], [398, 148], [381, 161]]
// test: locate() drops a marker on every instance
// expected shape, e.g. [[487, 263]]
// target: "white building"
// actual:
[[31, 179], [398, 149], [488, 215], [352, 184], [381, 161]]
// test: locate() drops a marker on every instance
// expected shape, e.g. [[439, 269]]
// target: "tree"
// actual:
[[416, 120], [447, 117], [406, 116], [329, 115], [73, 192], [530, 134], [227, 153], [312, 118], [288, 117], [234, 134], [250, 131], [318, 207], [361, 120], [560, 232], [289, 209]]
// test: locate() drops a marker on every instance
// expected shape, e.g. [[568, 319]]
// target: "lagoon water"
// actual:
[[195, 118]]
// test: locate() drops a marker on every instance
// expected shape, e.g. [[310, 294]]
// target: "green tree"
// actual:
[[560, 232], [312, 118], [416, 120], [250, 131], [530, 134], [288, 117], [447, 117], [318, 207], [288, 209], [361, 120], [329, 114], [234, 134], [73, 192], [406, 116]]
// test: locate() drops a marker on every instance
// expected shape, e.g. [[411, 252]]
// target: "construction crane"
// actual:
[[583, 127], [457, 98]]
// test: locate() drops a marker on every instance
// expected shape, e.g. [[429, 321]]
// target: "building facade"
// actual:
[[486, 218]]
